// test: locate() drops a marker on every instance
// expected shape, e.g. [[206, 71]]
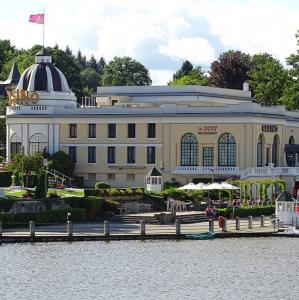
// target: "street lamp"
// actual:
[[22, 167], [45, 164], [212, 173]]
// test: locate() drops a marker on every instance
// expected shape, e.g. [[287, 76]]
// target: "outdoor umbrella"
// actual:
[[214, 186], [201, 186], [189, 186], [228, 186]]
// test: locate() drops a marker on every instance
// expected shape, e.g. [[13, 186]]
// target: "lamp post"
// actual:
[[45, 164], [22, 167], [212, 173]]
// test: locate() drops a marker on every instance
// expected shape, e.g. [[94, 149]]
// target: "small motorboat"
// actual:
[[200, 236], [290, 230]]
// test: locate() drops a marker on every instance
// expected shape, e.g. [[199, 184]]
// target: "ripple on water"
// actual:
[[261, 268]]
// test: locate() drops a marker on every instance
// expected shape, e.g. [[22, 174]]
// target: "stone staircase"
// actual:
[[151, 219], [192, 218], [134, 219]]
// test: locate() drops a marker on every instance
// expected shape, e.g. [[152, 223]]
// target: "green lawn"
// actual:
[[59, 192]]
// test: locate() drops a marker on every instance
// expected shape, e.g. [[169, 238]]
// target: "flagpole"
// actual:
[[44, 31]]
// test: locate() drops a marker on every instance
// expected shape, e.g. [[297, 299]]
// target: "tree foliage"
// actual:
[[61, 162], [125, 71], [230, 70], [268, 79]]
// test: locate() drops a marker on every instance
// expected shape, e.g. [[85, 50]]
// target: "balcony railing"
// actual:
[[195, 170], [269, 172]]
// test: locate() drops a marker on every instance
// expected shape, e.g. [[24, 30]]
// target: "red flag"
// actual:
[[39, 18]]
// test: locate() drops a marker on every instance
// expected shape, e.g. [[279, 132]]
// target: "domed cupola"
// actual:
[[48, 81], [43, 76]]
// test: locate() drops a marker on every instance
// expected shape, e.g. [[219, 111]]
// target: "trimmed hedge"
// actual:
[[5, 179], [244, 212], [93, 206], [56, 216], [102, 185]]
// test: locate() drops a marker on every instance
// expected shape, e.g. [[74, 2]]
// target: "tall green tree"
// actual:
[[268, 79], [125, 71], [230, 70], [290, 96], [7, 52], [184, 70], [194, 77]]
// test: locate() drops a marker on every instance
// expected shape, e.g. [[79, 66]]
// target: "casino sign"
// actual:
[[21, 97]]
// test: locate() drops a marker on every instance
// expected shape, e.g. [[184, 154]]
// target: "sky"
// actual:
[[160, 34]]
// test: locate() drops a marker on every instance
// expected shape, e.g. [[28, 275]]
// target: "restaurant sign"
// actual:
[[207, 129], [269, 128], [21, 97]]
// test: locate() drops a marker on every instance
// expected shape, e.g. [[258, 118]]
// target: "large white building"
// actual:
[[187, 132]]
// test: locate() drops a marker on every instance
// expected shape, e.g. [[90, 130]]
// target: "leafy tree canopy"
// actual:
[[268, 79], [61, 162], [194, 77], [230, 70], [125, 71]]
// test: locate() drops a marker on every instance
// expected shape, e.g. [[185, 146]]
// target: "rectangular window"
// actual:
[[130, 177], [91, 176], [131, 155], [131, 131], [73, 153], [151, 130], [73, 131], [92, 154], [110, 176], [92, 130], [151, 155], [111, 155], [111, 130], [208, 156]]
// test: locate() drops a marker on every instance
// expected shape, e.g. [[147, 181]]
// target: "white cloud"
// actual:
[[197, 50], [151, 30], [161, 77]]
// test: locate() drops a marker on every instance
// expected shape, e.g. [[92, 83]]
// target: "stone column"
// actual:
[[237, 223], [106, 228], [177, 227], [32, 228], [69, 228], [211, 225], [250, 222], [142, 227]]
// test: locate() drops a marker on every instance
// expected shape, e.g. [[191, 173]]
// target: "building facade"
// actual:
[[119, 134]]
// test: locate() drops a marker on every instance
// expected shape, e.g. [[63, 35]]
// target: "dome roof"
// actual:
[[43, 76]]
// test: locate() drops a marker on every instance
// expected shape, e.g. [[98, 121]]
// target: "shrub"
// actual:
[[138, 191], [56, 216], [244, 212], [171, 184], [93, 206], [61, 162], [157, 201], [7, 204], [110, 205], [5, 179], [113, 192], [75, 202], [102, 185]]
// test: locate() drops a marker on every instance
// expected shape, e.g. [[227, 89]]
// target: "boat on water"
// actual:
[[290, 230], [200, 236]]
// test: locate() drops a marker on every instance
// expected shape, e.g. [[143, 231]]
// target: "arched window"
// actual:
[[189, 150], [260, 150], [275, 147], [38, 143], [226, 150], [291, 140], [15, 144]]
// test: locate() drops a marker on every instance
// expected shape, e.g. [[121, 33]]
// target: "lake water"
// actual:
[[255, 268]]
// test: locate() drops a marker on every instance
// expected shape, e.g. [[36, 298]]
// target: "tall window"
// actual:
[[111, 130], [92, 154], [260, 150], [38, 143], [275, 147], [151, 155], [291, 140], [226, 150], [131, 131], [151, 130], [189, 150], [131, 155], [15, 144], [73, 131], [208, 156], [111, 155], [73, 153], [92, 130]]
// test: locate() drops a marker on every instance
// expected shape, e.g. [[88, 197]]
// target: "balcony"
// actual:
[[270, 172], [195, 170]]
